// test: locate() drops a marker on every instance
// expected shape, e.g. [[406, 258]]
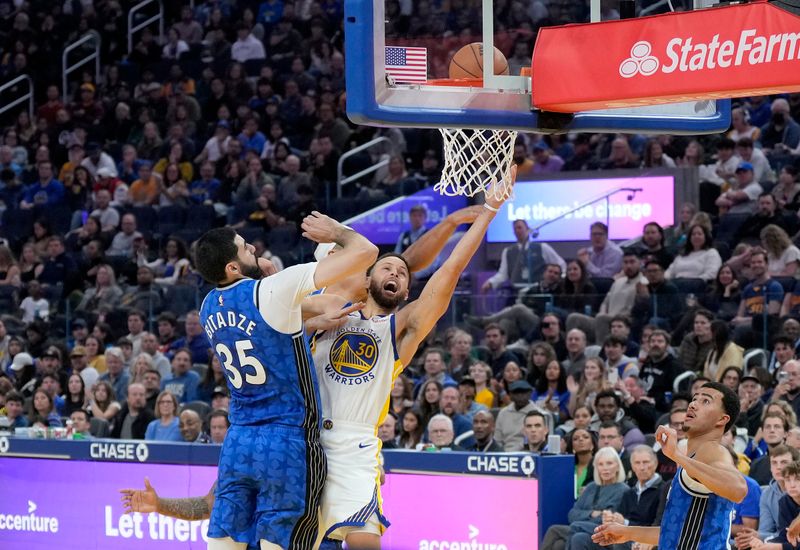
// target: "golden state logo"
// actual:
[[352, 358]]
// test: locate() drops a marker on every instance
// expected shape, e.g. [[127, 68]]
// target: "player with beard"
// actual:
[[699, 507], [272, 467], [357, 364]]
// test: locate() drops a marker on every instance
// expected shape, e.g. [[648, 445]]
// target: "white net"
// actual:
[[475, 161]]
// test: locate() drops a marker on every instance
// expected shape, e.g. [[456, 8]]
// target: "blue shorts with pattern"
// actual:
[[269, 486]]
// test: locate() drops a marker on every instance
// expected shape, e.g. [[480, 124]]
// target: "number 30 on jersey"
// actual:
[[258, 375]]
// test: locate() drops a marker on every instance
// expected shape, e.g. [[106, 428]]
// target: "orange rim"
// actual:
[[463, 82]]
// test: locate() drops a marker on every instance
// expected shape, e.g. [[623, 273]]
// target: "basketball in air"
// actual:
[[468, 62]]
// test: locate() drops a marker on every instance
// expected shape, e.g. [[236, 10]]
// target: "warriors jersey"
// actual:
[[694, 517], [356, 366]]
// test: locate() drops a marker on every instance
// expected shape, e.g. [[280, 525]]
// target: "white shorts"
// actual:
[[351, 499]]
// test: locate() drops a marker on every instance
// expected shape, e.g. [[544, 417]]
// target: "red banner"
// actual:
[[734, 51]]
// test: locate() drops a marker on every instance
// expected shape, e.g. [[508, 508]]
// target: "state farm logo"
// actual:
[[688, 54], [640, 61]]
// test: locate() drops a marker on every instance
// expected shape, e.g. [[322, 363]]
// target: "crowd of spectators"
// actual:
[[238, 118]]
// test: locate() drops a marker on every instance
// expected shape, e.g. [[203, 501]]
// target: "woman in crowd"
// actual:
[[592, 381], [481, 374], [581, 419], [76, 394], [782, 255], [401, 396], [459, 348], [44, 411], [95, 353], [725, 294], [9, 270], [142, 363], [582, 443], [550, 391], [165, 426], [741, 127], [411, 429], [428, 400], [677, 234], [104, 404], [724, 353], [175, 190], [41, 236], [151, 142], [211, 379], [105, 295], [654, 156], [76, 239], [511, 373], [540, 356], [603, 494], [80, 188], [578, 290], [173, 264], [787, 190], [698, 260]]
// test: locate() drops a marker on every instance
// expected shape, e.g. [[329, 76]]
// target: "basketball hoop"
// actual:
[[475, 161]]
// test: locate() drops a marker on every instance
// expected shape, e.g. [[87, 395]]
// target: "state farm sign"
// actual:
[[742, 50]]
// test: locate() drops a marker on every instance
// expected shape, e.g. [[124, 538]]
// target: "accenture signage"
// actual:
[[742, 50]]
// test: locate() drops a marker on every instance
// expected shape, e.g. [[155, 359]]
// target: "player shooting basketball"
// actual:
[[699, 508], [357, 364]]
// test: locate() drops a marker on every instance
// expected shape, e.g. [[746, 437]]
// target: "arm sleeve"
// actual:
[[582, 510], [502, 272], [767, 526], [278, 296], [711, 265]]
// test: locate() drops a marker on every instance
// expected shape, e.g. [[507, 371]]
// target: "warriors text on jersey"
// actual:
[[694, 517]]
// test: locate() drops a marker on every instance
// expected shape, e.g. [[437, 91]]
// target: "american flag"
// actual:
[[407, 64]]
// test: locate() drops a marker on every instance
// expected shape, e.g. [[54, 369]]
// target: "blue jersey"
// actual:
[[694, 517], [256, 330], [753, 296]]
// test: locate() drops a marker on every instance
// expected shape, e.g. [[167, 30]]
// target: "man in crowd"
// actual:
[[511, 419], [766, 214], [603, 258], [448, 405], [184, 381], [483, 430], [789, 389], [77, 360], [742, 196], [417, 217], [524, 261], [576, 357], [774, 428], [608, 408], [440, 432], [496, 339], [638, 406], [81, 425], [387, 431], [218, 425], [132, 419], [781, 456], [195, 340], [535, 431], [191, 427], [14, 409], [610, 435], [618, 365], [433, 364], [115, 371], [122, 243], [761, 295], [658, 301], [660, 369], [145, 295], [783, 350], [150, 345], [151, 380], [136, 321]]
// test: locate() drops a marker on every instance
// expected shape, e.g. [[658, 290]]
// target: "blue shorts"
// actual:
[[269, 487]]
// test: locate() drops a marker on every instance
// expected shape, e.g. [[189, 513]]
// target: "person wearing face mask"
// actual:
[[781, 135]]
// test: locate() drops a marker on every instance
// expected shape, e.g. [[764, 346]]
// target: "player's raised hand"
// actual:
[[668, 439], [495, 203], [332, 320], [610, 533], [134, 500], [465, 215], [321, 228]]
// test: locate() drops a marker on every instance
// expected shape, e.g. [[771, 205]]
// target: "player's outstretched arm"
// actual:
[[146, 501], [416, 320], [357, 252], [711, 465], [424, 250], [615, 533]]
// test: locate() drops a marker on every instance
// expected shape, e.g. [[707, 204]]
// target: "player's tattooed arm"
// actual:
[[190, 509]]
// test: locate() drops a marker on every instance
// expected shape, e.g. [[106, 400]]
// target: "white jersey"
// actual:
[[356, 367]]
